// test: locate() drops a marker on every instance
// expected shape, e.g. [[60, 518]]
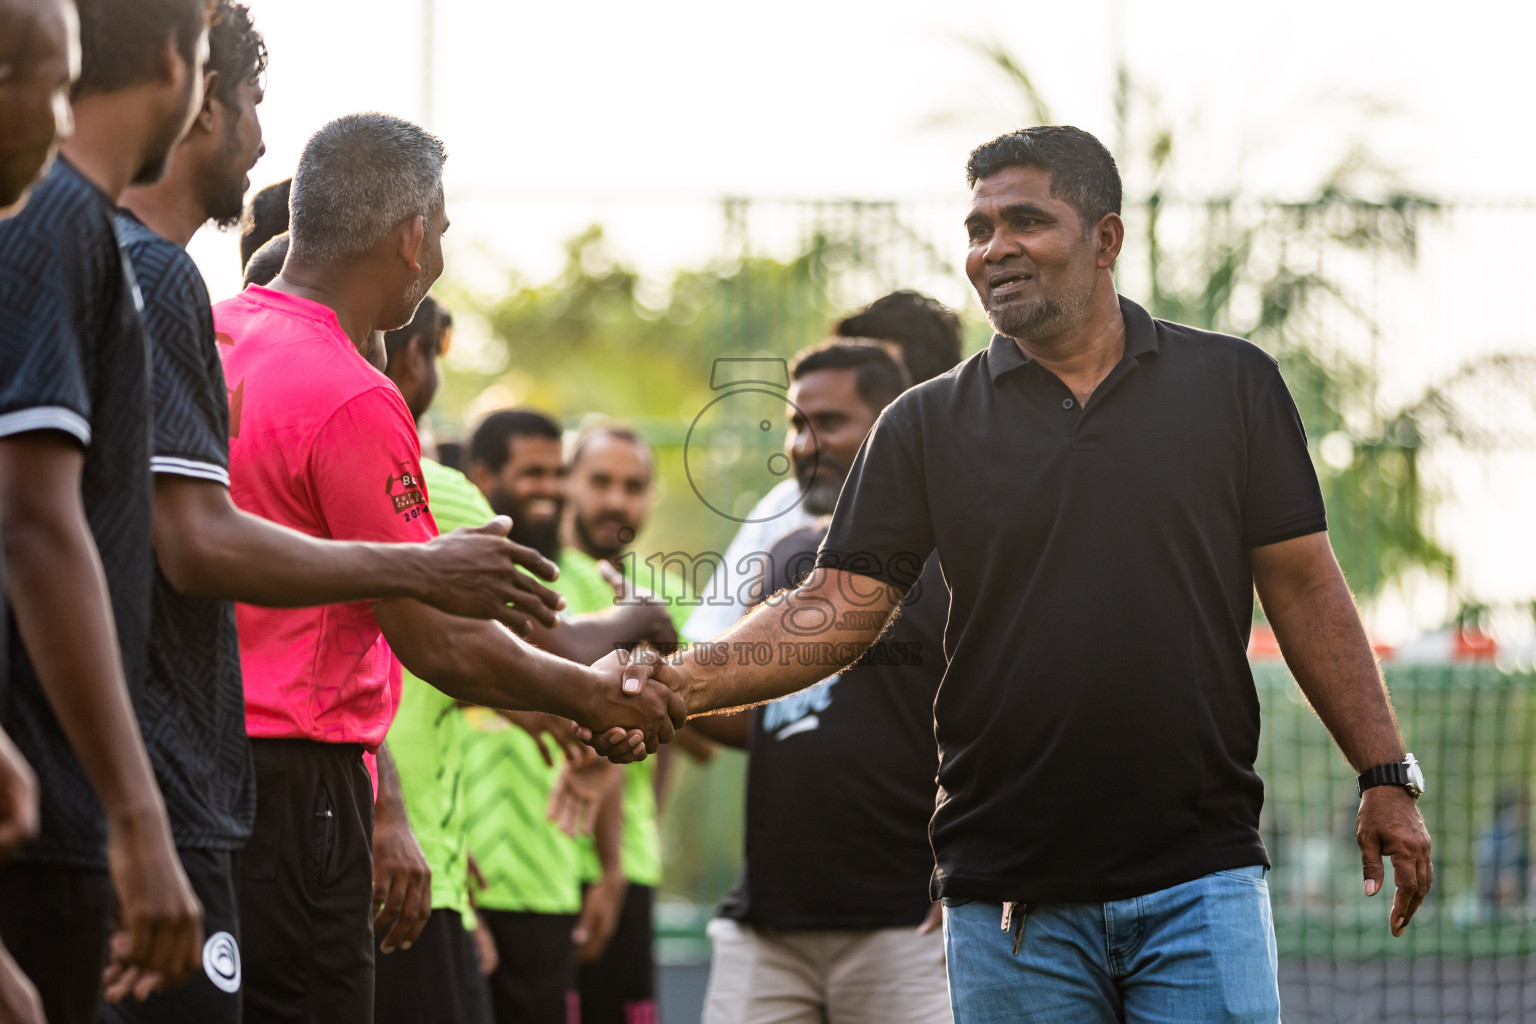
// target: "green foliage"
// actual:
[[589, 342]]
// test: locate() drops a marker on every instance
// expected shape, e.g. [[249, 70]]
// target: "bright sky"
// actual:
[[559, 114], [610, 102]]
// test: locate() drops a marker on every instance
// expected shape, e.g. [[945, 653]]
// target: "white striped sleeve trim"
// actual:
[[46, 417], [174, 466]]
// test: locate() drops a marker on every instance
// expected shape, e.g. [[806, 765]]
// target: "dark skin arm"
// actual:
[[589, 637], [729, 730], [207, 547], [483, 663], [402, 879], [54, 576], [725, 679], [1314, 617]]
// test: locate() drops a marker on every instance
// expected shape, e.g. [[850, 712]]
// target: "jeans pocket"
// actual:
[[1254, 876]]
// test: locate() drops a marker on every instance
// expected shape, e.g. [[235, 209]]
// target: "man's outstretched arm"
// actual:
[[210, 548], [731, 671], [1315, 619], [482, 663], [64, 615]]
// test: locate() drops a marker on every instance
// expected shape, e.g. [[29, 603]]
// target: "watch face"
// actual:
[[1415, 776]]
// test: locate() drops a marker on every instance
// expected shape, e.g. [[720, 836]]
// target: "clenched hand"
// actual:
[[18, 799], [632, 713], [158, 942]]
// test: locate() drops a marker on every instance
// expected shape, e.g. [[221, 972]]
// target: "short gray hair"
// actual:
[[360, 177]]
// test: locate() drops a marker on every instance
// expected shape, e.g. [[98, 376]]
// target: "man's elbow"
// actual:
[[189, 558], [437, 656]]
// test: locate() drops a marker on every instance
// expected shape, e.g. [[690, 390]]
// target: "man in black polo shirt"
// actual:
[[827, 923], [75, 506], [1104, 492]]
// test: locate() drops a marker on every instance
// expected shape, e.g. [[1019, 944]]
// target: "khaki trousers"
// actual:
[[887, 976]]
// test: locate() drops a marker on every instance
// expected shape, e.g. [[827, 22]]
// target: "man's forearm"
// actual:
[[243, 557], [796, 639], [54, 578], [732, 730], [482, 662], [1319, 630], [390, 802]]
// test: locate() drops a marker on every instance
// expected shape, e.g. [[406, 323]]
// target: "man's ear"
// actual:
[[205, 117], [412, 233], [481, 476], [1109, 236]]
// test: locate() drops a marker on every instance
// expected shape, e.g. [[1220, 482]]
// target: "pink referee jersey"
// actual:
[[322, 442]]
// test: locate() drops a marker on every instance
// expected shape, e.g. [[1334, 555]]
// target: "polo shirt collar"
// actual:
[[1004, 353]]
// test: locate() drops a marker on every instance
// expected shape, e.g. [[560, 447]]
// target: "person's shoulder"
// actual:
[[64, 218], [163, 268], [448, 486], [1184, 342]]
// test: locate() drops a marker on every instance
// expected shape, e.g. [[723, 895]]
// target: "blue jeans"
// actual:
[[1203, 951]]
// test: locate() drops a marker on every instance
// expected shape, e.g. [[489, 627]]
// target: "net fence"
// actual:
[[1468, 955]]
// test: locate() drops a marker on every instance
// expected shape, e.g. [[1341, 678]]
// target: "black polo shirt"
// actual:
[[1097, 724]]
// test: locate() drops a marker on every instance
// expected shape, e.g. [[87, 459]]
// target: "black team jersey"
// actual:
[[73, 362], [192, 709]]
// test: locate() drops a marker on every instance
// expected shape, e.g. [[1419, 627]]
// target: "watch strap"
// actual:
[[1394, 774]]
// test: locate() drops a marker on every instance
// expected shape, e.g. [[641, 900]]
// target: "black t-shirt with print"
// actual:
[[73, 362], [840, 777], [192, 707]]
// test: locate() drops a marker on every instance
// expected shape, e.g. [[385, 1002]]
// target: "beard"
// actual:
[[1026, 321], [410, 300], [224, 192], [595, 545], [543, 535], [224, 202], [819, 489]]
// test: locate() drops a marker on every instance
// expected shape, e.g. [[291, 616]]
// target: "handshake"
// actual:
[[635, 705]]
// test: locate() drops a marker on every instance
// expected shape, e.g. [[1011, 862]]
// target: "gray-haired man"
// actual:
[[322, 442]]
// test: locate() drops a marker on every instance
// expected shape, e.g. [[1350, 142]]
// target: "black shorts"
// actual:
[[535, 980], [620, 988], [437, 979], [212, 996], [305, 884], [55, 921]]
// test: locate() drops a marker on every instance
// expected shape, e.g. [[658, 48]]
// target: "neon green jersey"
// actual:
[[427, 736], [529, 865], [585, 590]]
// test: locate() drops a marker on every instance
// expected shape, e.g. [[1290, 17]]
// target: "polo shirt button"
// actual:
[[1066, 403]]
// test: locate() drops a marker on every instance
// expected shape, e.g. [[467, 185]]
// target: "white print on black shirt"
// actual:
[[797, 712]]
